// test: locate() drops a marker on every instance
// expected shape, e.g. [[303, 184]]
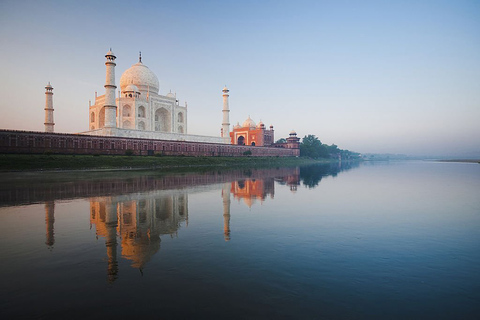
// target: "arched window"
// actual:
[[92, 117], [180, 117], [126, 110], [101, 118], [126, 124], [141, 112], [141, 125], [180, 129]]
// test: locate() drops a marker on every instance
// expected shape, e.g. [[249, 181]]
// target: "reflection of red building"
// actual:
[[251, 134], [292, 180], [250, 190]]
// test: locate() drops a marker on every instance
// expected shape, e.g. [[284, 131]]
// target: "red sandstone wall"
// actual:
[[62, 143]]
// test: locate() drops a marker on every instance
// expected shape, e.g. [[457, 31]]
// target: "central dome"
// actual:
[[141, 76], [249, 123]]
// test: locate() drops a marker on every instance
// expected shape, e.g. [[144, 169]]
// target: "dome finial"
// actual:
[[140, 57]]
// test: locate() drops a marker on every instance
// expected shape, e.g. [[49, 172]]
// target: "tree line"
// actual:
[[312, 147]]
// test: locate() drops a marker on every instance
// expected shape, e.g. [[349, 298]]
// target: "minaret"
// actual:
[[49, 108], [226, 211], [110, 106], [226, 111]]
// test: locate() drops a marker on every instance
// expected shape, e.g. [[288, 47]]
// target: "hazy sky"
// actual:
[[369, 76]]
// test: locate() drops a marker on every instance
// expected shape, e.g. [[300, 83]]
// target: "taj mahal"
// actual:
[[139, 118], [140, 107], [139, 111]]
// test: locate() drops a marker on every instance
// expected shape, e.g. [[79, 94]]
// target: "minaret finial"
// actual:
[[140, 57]]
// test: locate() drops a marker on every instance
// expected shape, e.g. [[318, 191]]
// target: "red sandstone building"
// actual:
[[250, 134]]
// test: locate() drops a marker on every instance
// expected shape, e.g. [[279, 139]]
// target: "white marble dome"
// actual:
[[249, 123], [141, 76]]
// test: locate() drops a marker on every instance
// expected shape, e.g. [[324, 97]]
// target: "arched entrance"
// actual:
[[162, 120], [253, 144], [241, 141]]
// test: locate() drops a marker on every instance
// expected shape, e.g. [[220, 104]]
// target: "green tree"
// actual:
[[281, 140], [312, 147], [333, 149]]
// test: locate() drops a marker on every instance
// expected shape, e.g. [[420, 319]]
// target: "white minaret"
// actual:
[[49, 108], [226, 114], [110, 106]]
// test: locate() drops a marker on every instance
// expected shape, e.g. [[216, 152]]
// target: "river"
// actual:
[[372, 240]]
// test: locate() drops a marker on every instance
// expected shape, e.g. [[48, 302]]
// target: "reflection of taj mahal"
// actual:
[[139, 221], [132, 224]]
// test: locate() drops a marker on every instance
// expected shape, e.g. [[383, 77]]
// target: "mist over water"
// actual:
[[376, 240]]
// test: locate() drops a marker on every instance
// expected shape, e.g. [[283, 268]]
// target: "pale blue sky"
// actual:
[[369, 76]]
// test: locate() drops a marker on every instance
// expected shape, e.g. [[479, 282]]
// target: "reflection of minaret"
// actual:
[[49, 220], [226, 211], [111, 223]]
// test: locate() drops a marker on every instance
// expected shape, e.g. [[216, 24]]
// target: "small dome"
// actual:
[[237, 126], [170, 95], [48, 86], [260, 125], [141, 76], [249, 123], [131, 88], [110, 53], [293, 133], [225, 89]]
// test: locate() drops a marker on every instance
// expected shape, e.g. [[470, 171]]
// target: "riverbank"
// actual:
[[35, 162]]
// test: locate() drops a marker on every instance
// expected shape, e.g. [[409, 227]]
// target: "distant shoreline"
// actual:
[[461, 160]]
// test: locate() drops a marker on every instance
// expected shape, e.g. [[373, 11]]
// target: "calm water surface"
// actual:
[[392, 240]]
